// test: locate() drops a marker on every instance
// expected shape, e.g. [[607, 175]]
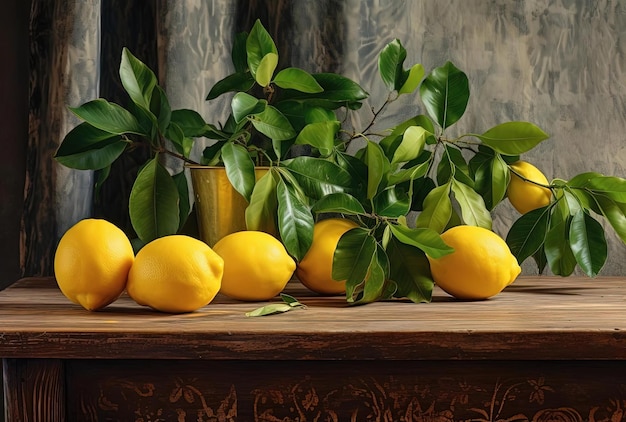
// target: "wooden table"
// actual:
[[546, 349]]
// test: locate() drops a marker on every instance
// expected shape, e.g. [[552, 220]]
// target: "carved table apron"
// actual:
[[545, 349]]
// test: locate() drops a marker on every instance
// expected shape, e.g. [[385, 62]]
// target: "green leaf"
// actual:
[[588, 243], [338, 202], [153, 202], [244, 104], [237, 82], [414, 77], [318, 177], [108, 117], [407, 174], [582, 179], [374, 283], [320, 135], [273, 124], [410, 270], [557, 248], [175, 134], [137, 79], [392, 202], [528, 233], [101, 176], [260, 213], [421, 187], [411, 146], [338, 91], [453, 164], [609, 186], [272, 309], [319, 114], [437, 209], [473, 210], [298, 79], [88, 148], [427, 240], [239, 168], [258, 45], [265, 71], [190, 121], [353, 257], [512, 138], [160, 107], [287, 305], [540, 259], [390, 63], [500, 177], [392, 141], [445, 94], [615, 213], [295, 222], [184, 207], [377, 165]]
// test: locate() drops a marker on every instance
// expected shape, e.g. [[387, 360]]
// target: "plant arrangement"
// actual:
[[292, 107], [404, 186]]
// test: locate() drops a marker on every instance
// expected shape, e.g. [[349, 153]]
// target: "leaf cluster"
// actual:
[[404, 185]]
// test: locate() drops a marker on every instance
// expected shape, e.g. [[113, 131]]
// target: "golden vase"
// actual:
[[220, 208]]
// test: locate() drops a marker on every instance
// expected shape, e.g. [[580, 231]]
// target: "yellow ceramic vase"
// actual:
[[220, 208]]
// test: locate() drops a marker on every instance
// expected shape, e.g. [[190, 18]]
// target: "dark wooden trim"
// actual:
[[14, 133], [34, 389]]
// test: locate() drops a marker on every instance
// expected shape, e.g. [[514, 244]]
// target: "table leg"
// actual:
[[34, 390]]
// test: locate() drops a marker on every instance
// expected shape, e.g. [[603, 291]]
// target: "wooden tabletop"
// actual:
[[536, 318]]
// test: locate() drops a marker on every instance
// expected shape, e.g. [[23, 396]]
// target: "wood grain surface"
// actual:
[[535, 318]]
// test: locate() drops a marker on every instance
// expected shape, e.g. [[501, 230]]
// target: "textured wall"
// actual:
[[557, 63]]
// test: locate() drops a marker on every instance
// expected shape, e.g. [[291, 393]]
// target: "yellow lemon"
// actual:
[[256, 265], [480, 266], [175, 274], [315, 269], [91, 263], [526, 196]]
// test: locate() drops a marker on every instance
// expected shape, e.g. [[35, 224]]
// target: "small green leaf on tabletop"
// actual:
[[289, 303]]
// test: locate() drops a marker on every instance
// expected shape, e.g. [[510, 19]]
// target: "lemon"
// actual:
[[175, 274], [256, 265], [91, 263], [526, 196], [315, 269], [480, 266]]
